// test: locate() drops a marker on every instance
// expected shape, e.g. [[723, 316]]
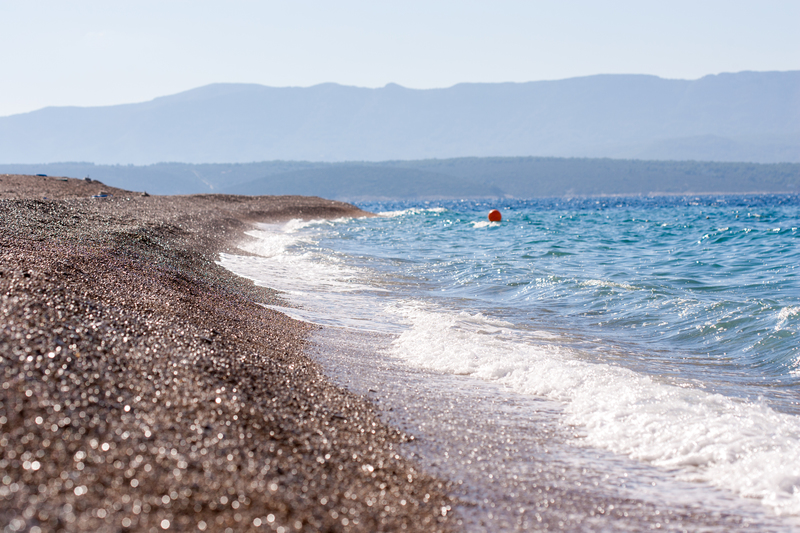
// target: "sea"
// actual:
[[659, 334]]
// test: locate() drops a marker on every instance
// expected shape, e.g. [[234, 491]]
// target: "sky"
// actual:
[[90, 53]]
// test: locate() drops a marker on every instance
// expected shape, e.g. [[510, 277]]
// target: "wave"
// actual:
[[745, 447], [784, 315], [607, 284], [411, 211]]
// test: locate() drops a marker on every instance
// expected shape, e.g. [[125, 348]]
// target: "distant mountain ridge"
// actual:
[[469, 177], [747, 116]]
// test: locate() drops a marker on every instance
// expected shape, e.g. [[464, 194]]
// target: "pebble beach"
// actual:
[[146, 388]]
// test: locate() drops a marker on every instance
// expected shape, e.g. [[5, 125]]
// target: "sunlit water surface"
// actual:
[[666, 328]]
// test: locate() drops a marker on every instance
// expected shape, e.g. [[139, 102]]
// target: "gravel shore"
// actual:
[[144, 388]]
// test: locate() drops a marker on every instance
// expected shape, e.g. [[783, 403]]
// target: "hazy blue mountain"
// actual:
[[748, 116], [471, 177], [166, 178], [356, 181]]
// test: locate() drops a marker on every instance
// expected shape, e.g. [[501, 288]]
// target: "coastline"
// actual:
[[411, 322], [145, 387]]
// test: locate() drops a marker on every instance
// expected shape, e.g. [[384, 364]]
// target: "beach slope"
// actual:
[[144, 386]]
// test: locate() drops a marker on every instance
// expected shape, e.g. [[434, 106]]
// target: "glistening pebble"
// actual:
[[144, 387]]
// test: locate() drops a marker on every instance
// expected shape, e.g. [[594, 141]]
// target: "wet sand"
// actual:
[[514, 465], [144, 388]]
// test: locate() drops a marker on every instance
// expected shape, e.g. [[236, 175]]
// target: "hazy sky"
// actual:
[[86, 53]]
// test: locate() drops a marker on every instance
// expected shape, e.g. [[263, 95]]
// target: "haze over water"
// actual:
[[665, 327]]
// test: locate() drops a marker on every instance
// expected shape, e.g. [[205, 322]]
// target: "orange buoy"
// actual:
[[495, 216]]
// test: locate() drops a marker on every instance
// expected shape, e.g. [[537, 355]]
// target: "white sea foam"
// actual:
[[743, 447], [272, 240], [784, 315], [411, 211], [608, 284], [286, 269], [323, 289], [483, 224]]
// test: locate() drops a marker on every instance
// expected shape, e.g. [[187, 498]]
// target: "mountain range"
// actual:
[[468, 177], [745, 117]]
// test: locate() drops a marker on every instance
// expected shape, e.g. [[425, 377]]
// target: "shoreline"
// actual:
[[441, 370], [145, 387], [513, 464]]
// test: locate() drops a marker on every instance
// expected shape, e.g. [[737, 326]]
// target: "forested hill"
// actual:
[[520, 177], [746, 116]]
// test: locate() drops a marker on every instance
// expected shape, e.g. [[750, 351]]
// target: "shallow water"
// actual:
[[664, 329], [512, 463]]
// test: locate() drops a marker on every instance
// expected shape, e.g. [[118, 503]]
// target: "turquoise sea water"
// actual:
[[666, 326], [699, 288]]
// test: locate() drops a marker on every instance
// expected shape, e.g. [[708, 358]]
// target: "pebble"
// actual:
[[144, 388]]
